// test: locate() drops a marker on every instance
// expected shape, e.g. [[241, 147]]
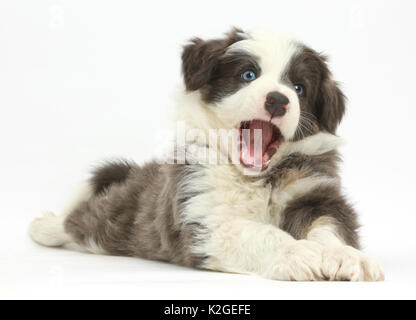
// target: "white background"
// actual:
[[82, 81]]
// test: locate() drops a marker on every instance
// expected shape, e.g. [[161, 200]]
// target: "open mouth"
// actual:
[[259, 141]]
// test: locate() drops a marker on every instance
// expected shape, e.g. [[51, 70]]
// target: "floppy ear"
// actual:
[[200, 58], [330, 101], [198, 62]]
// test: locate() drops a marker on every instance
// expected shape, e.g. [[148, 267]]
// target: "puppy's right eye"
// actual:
[[249, 75]]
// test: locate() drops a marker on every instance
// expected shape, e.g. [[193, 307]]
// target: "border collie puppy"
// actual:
[[277, 212]]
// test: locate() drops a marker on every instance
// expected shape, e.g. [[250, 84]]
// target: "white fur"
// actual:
[[92, 246], [49, 231], [341, 263], [313, 145]]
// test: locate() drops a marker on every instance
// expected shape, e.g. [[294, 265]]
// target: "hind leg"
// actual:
[[49, 230], [86, 225], [94, 216]]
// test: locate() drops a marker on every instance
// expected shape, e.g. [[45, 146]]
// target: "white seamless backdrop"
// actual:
[[87, 80]]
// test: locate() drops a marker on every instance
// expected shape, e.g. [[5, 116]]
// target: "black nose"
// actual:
[[276, 104]]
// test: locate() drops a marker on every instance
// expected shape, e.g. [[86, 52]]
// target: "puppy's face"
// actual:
[[270, 87]]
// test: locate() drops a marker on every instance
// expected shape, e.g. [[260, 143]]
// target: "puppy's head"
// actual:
[[270, 87]]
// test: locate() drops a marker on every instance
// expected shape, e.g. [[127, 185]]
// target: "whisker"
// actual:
[[306, 125]]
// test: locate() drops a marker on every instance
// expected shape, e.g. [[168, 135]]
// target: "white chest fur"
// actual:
[[223, 191]]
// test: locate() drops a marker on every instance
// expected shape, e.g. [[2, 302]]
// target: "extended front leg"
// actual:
[[324, 217], [342, 262], [239, 245]]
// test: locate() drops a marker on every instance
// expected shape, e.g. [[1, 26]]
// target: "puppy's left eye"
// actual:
[[249, 75], [300, 90]]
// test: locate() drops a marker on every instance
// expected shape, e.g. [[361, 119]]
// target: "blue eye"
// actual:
[[249, 75], [300, 90]]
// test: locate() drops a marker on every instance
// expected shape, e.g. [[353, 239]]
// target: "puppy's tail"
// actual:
[[110, 173]]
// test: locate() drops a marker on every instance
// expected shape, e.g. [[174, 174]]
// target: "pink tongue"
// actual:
[[255, 140]]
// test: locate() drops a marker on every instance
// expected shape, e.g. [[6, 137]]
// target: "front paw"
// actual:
[[299, 261], [345, 263]]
